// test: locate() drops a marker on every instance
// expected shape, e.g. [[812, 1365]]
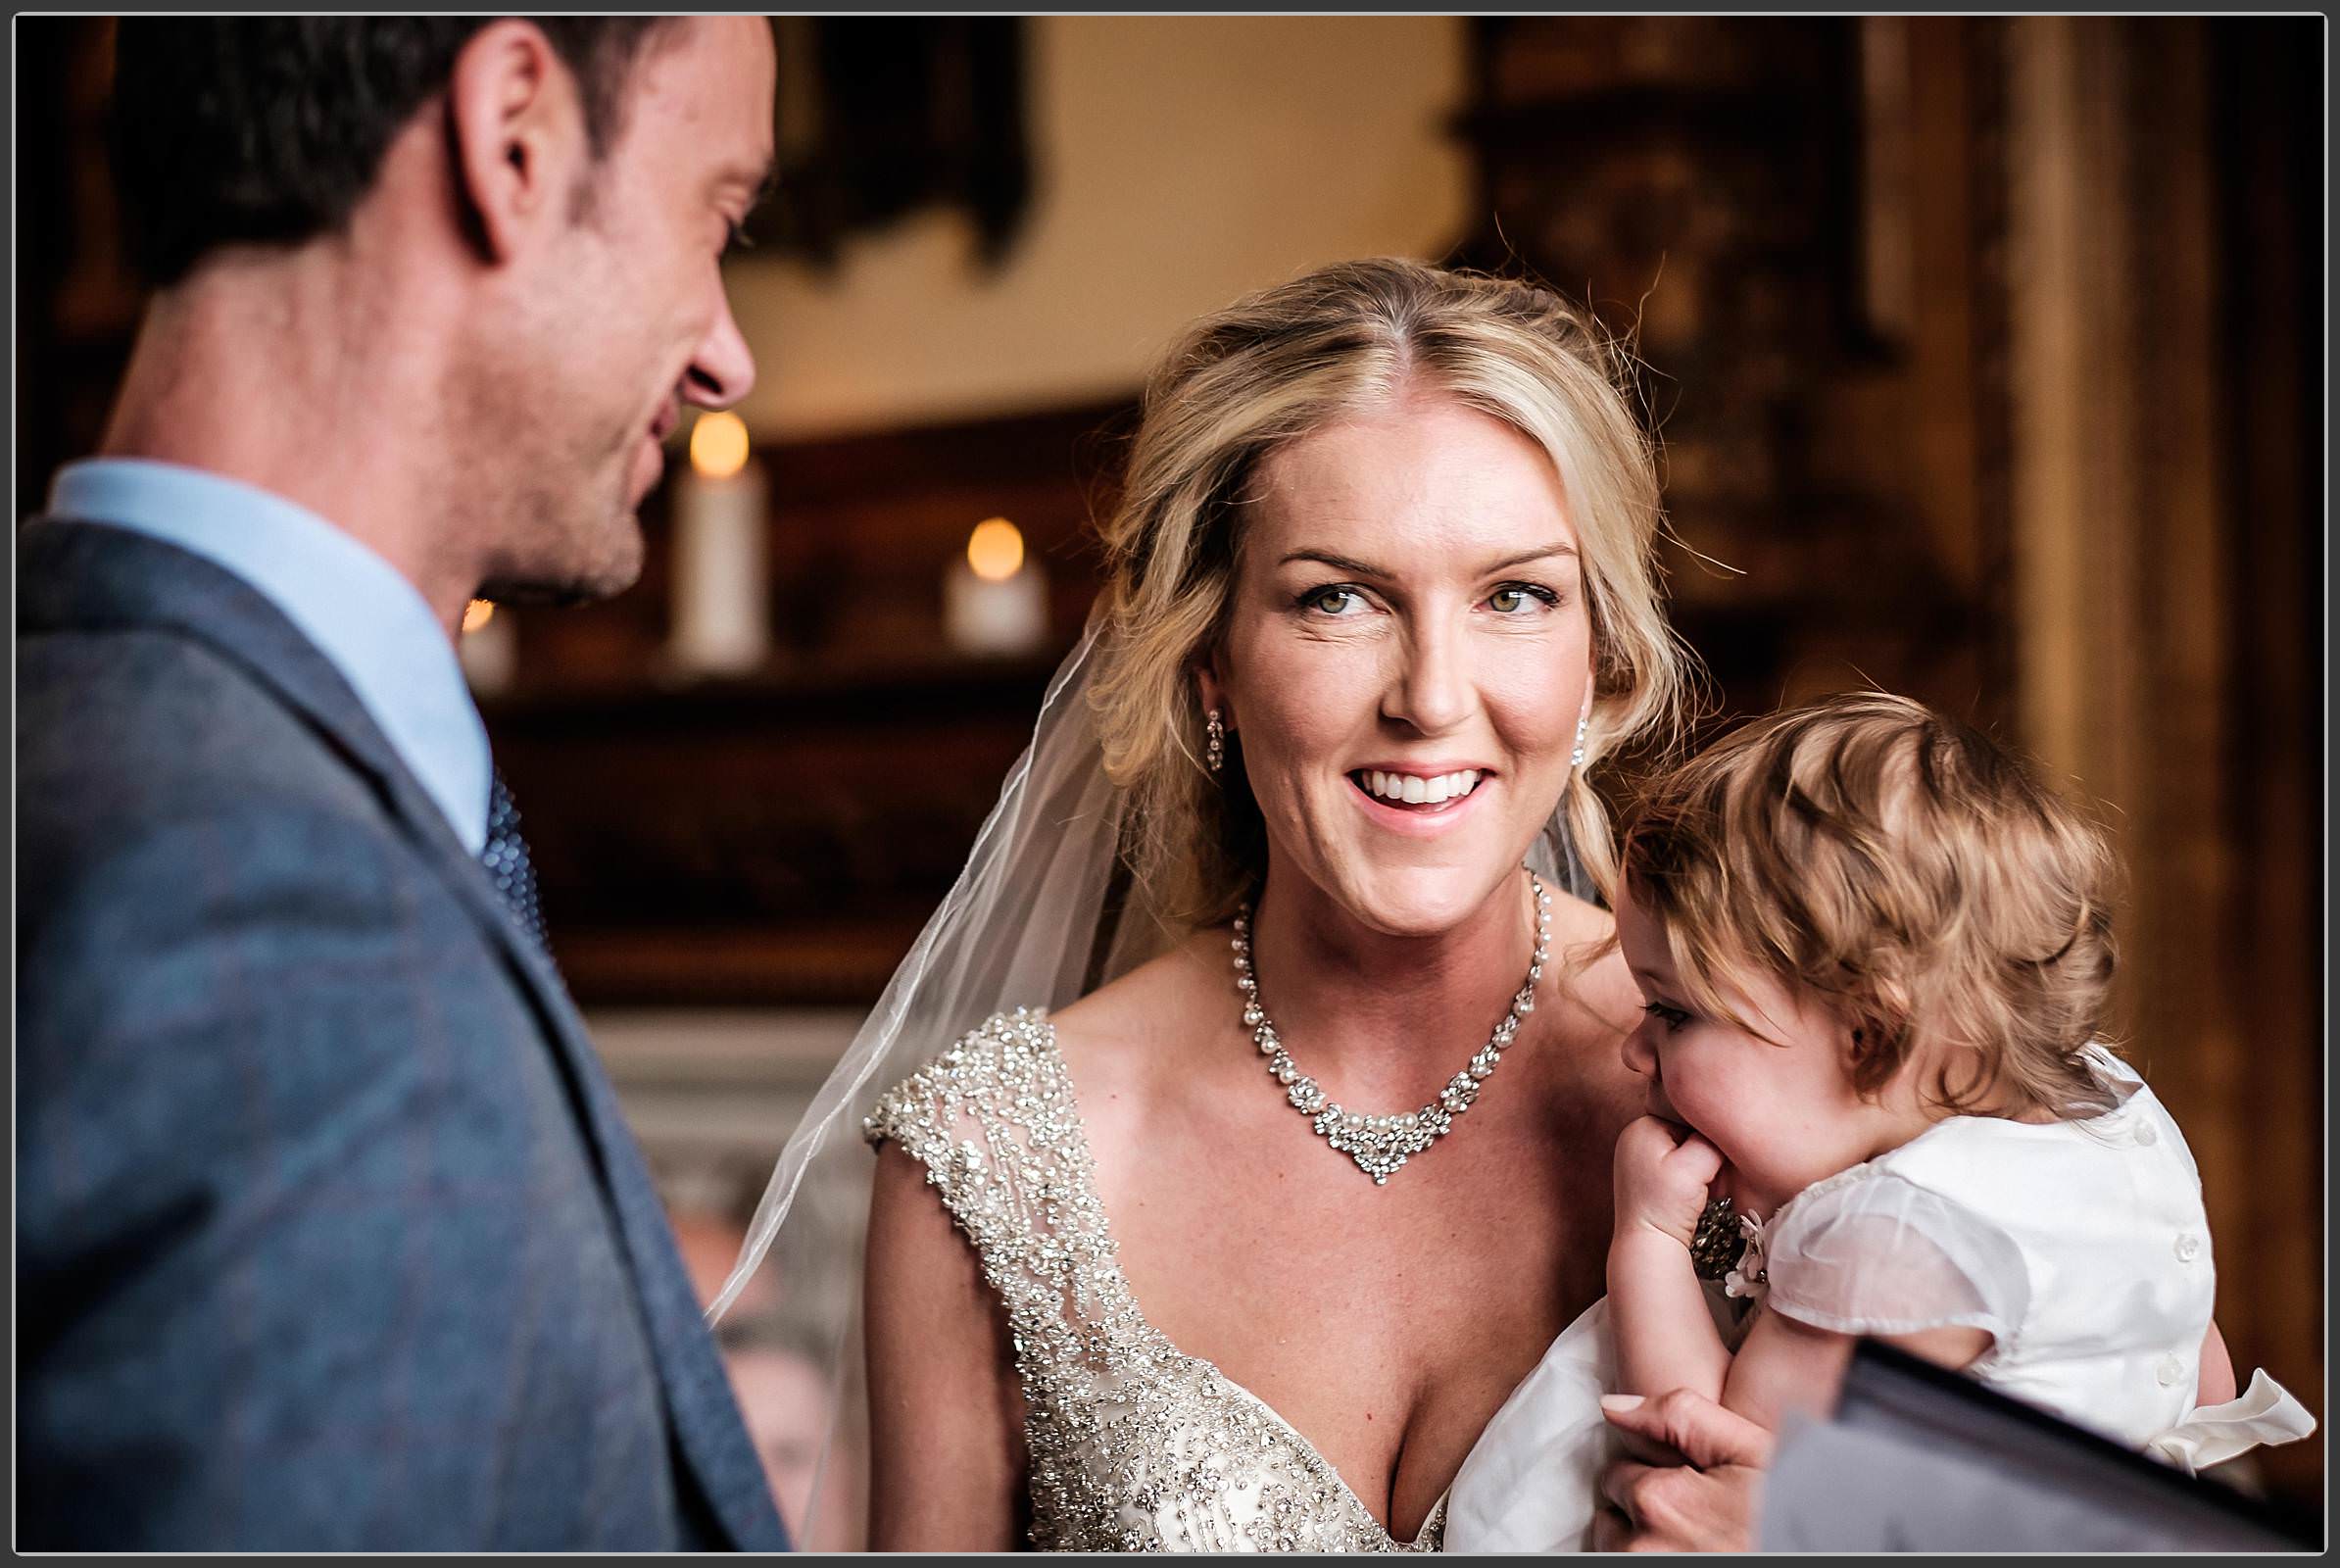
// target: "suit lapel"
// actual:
[[87, 576]]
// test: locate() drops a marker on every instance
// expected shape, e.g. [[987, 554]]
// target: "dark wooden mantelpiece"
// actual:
[[777, 840]]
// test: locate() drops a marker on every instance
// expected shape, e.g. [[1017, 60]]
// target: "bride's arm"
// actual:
[[945, 1418]]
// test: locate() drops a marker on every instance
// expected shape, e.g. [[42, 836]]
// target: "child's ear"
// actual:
[[1866, 1037]]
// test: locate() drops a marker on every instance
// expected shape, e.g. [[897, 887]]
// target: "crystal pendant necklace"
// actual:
[[1380, 1145]]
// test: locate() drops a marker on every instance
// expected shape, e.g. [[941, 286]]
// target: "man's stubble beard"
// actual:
[[566, 550], [555, 542], [560, 592], [580, 584]]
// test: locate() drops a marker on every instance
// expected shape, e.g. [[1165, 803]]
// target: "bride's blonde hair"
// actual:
[[1281, 364]]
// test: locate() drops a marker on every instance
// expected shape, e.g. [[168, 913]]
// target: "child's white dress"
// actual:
[[2081, 1247]]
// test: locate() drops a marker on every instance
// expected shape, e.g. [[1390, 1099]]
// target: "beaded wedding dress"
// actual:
[[1133, 1445]]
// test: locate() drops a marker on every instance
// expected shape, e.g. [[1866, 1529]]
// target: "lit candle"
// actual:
[[722, 615], [994, 601], [488, 649]]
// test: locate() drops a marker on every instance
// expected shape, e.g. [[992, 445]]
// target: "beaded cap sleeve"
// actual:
[[1132, 1445]]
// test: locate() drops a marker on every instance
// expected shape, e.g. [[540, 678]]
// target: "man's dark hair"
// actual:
[[270, 130]]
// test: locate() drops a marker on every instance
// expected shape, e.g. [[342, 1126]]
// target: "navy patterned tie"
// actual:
[[506, 860]]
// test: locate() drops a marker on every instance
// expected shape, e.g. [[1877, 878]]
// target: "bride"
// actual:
[[1274, 1146]]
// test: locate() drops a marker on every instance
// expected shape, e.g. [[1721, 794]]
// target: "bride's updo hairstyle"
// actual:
[[1282, 364]]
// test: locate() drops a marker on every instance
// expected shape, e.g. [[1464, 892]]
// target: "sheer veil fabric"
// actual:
[[1043, 913]]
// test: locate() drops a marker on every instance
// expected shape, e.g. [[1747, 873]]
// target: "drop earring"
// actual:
[[1214, 733], [1575, 759]]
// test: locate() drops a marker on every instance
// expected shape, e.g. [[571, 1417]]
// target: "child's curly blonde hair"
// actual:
[[1911, 871]]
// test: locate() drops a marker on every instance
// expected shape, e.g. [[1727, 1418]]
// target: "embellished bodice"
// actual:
[[1132, 1445]]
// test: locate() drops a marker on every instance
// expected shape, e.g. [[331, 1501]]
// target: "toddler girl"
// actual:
[[1875, 954]]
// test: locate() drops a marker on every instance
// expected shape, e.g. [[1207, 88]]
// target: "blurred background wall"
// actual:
[[1985, 355]]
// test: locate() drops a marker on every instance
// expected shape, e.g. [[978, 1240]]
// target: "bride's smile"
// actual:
[[1418, 800]]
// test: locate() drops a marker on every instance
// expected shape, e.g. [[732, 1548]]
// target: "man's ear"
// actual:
[[517, 135]]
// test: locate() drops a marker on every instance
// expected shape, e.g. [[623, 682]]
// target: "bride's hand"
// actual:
[[1693, 1481], [1663, 1173]]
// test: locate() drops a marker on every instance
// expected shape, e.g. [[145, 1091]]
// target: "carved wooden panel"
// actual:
[[773, 841], [1699, 181]]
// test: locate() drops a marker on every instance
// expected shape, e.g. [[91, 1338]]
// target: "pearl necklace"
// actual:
[[1381, 1144]]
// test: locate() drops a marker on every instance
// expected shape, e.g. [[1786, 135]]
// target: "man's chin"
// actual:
[[571, 584], [534, 594]]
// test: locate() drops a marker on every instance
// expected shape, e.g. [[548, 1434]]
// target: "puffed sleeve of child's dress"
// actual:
[[1869, 1251], [2079, 1246]]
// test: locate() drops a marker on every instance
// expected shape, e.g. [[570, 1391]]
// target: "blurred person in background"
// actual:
[[775, 1358], [330, 1235], [777, 1372], [708, 1244]]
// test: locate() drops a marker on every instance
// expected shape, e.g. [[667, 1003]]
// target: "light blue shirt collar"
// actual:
[[361, 613]]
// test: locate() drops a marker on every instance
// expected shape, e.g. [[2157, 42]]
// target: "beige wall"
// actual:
[[1179, 161]]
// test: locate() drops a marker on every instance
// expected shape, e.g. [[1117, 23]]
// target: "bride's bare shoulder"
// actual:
[[1123, 1036]]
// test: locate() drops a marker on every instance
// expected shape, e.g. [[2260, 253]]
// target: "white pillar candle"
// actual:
[[722, 599], [995, 599]]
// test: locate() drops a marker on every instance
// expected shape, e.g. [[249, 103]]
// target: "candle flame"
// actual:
[[477, 613], [996, 550], [718, 444]]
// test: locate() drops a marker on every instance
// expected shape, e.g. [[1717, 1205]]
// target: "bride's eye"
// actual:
[[1337, 602], [1519, 598]]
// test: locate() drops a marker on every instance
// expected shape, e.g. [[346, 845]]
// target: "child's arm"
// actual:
[[1664, 1336], [1787, 1365], [2216, 1383]]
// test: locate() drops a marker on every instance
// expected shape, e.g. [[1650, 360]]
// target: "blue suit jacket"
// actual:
[[330, 1234]]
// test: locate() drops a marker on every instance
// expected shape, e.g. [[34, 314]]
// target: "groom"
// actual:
[[330, 1234]]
